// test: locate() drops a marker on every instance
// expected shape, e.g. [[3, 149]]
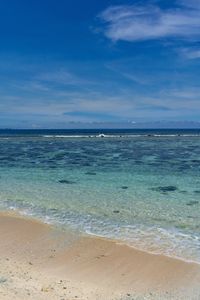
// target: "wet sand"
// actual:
[[39, 261]]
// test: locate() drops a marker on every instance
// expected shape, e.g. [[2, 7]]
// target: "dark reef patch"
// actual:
[[191, 203], [165, 189], [195, 161], [183, 192], [197, 191], [90, 173], [66, 181]]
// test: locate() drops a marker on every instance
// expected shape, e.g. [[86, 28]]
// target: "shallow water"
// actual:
[[140, 187]]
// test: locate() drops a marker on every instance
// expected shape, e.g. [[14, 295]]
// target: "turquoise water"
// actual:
[[141, 188]]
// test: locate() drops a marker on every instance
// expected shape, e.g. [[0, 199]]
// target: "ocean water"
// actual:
[[140, 187]]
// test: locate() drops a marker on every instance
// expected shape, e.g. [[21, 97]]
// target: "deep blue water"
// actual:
[[41, 132]]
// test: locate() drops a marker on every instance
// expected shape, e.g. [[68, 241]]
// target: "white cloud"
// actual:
[[136, 23]]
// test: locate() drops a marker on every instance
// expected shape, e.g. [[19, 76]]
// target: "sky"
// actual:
[[99, 62]]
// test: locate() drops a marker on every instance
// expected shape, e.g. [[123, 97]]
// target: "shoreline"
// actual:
[[68, 229], [63, 265], [123, 243]]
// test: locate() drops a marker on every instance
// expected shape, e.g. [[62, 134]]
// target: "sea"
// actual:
[[138, 187]]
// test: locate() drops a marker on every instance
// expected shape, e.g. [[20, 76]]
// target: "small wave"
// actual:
[[64, 136], [84, 136], [123, 136], [99, 136]]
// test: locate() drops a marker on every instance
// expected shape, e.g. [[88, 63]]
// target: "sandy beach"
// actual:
[[39, 261]]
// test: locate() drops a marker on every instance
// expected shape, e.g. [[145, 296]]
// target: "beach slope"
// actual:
[[39, 261]]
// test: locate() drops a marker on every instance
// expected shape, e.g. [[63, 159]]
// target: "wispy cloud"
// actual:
[[125, 70], [190, 53], [47, 96], [49, 82], [190, 3], [61, 77], [136, 23], [92, 107], [190, 94]]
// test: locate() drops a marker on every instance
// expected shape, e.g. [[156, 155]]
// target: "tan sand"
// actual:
[[41, 262]]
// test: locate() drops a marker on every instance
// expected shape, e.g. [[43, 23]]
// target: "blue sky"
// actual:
[[98, 61]]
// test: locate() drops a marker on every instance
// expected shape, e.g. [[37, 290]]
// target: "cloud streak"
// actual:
[[62, 77], [138, 23], [191, 53], [90, 107]]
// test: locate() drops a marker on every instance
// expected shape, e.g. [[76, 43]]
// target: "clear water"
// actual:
[[139, 187]]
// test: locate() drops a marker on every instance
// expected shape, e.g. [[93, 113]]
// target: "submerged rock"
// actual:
[[66, 181], [164, 189], [90, 173], [197, 192], [192, 203], [124, 187]]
